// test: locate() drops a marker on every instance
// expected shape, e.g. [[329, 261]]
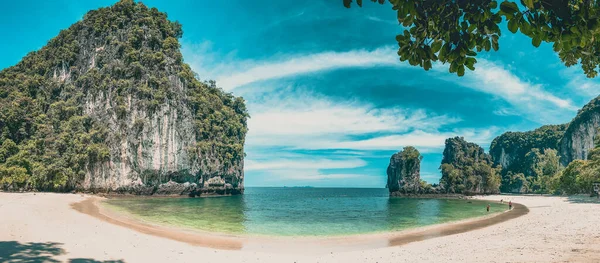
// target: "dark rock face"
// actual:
[[404, 172]]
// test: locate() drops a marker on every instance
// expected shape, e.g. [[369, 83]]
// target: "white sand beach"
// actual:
[[43, 227]]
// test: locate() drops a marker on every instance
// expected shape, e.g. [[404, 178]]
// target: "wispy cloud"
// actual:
[[297, 112], [234, 74], [304, 120], [307, 176], [527, 98], [530, 99], [424, 141], [316, 162]]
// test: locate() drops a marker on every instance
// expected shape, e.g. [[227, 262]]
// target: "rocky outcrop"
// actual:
[[467, 169], [510, 148], [404, 172], [579, 137], [109, 106], [573, 141]]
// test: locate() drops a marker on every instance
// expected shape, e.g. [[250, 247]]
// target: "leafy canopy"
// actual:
[[455, 31]]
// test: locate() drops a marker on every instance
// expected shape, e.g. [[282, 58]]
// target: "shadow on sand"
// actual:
[[583, 199], [15, 252]]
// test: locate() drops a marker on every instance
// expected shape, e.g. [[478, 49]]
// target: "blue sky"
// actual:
[[329, 100]]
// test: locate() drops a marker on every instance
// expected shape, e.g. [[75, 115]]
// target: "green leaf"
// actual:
[[436, 46], [427, 64], [470, 61], [461, 71], [528, 3], [471, 53], [453, 67], [486, 45], [493, 4], [347, 3], [509, 7], [536, 41], [557, 46], [525, 27], [495, 46], [575, 30], [513, 26]]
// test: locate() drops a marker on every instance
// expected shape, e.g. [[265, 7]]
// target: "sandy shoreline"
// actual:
[[554, 230], [318, 245]]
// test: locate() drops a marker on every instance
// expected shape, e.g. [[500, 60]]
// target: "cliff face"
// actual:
[[467, 169], [573, 140], [404, 172], [509, 149], [109, 106], [578, 139]]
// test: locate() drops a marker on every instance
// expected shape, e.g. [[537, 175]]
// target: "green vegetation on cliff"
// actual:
[[541, 170], [404, 172], [511, 148], [467, 169], [130, 54], [578, 177]]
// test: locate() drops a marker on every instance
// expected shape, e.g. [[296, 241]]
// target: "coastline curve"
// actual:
[[91, 206]]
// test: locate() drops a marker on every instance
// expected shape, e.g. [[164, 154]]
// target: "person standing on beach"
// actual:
[[488, 207], [509, 205]]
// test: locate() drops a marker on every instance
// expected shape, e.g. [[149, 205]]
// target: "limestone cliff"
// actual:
[[510, 148], [578, 139], [404, 172], [109, 106], [467, 169]]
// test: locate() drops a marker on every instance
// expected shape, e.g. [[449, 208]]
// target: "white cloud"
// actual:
[[505, 112], [581, 84], [488, 76], [300, 113], [316, 162], [311, 175], [529, 99], [319, 176], [231, 73], [300, 120], [424, 141]]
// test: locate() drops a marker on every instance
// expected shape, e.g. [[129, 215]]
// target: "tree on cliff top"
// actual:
[[455, 31]]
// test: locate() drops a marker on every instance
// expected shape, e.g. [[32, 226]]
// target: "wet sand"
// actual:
[[91, 207], [46, 228]]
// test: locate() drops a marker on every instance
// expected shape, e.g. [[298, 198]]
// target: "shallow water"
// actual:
[[301, 211]]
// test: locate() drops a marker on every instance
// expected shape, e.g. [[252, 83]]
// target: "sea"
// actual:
[[291, 211]]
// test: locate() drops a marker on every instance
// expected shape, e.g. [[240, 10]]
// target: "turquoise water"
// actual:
[[301, 211]]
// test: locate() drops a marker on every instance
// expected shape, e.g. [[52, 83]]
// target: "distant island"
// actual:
[[553, 159]]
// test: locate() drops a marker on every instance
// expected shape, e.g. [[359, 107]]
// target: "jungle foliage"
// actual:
[[467, 169], [454, 32], [47, 139]]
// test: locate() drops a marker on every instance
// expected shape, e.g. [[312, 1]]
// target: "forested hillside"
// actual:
[[109, 105]]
